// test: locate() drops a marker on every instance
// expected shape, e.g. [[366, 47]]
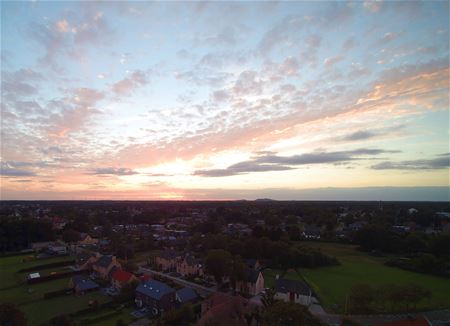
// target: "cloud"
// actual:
[[441, 162], [136, 79], [272, 162], [73, 111], [113, 171], [20, 83], [19, 169], [390, 36], [332, 61], [360, 135]]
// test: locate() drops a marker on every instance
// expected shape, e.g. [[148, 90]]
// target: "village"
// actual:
[[205, 266]]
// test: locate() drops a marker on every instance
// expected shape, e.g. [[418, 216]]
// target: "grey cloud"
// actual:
[[360, 135], [17, 169], [441, 162], [113, 171], [272, 162]]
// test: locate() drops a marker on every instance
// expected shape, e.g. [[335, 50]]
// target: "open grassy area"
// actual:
[[29, 298], [110, 317], [332, 284]]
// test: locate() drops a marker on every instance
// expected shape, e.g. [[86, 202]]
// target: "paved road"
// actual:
[[202, 290]]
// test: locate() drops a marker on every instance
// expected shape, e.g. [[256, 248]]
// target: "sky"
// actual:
[[225, 100]]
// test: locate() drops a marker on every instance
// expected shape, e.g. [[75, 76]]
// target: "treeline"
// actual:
[[383, 239], [18, 234], [282, 254], [423, 263]]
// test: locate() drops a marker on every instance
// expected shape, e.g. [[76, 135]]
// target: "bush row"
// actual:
[[57, 293]]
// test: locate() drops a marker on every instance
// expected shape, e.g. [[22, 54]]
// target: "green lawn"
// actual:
[[111, 320], [10, 265], [29, 298], [332, 284]]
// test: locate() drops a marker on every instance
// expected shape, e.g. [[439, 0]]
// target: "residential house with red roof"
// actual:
[[120, 278]]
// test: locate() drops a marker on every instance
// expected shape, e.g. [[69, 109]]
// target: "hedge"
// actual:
[[45, 266], [57, 293]]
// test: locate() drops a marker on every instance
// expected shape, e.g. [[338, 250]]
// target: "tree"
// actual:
[[288, 313], [218, 263], [268, 298], [238, 271], [182, 316], [130, 266], [71, 236], [120, 322], [11, 315]]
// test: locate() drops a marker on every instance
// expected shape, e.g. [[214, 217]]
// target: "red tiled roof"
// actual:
[[122, 276]]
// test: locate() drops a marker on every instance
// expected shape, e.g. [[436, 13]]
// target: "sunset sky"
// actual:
[[229, 100]]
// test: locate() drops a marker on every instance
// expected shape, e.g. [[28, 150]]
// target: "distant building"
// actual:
[[104, 266], [167, 260], [311, 232], [190, 266], [86, 239]]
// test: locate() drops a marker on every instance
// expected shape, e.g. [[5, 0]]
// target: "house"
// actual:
[[57, 248], [84, 260], [224, 309], [254, 283], [311, 232], [190, 266], [120, 278], [187, 295], [293, 291], [104, 266], [86, 239], [82, 284], [157, 296], [167, 260]]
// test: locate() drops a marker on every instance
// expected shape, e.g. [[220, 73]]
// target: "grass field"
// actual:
[[29, 298], [332, 284]]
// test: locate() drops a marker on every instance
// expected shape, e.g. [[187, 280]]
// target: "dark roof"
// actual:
[[104, 261], [154, 289], [82, 283], [192, 261], [251, 262], [284, 286], [83, 257], [187, 294], [252, 275], [169, 254]]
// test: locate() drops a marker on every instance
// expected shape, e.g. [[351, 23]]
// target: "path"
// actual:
[[201, 289]]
